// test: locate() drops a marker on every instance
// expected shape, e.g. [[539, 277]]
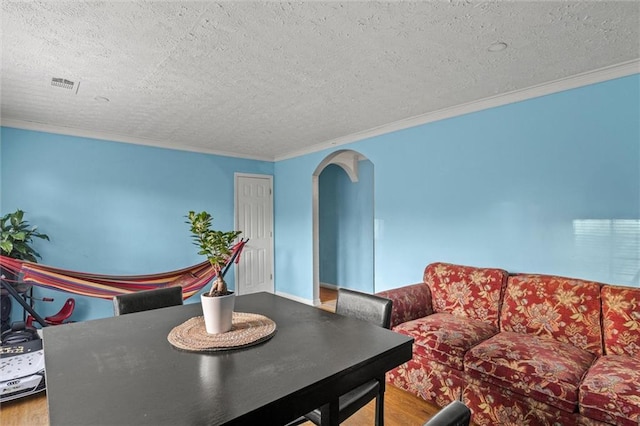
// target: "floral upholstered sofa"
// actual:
[[521, 349]]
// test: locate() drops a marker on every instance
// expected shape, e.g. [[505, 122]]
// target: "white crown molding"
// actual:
[[591, 77], [69, 131]]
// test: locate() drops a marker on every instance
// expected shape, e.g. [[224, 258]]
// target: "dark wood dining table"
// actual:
[[123, 371]]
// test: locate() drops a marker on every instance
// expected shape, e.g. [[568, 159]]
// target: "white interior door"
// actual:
[[254, 217]]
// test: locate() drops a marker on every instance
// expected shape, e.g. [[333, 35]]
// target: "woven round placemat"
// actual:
[[247, 329]]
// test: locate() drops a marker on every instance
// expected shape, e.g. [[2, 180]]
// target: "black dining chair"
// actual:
[[376, 310], [147, 300], [456, 413]]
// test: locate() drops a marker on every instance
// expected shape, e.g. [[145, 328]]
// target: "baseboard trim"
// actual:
[[298, 299], [329, 286]]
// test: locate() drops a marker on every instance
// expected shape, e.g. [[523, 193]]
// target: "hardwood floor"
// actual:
[[27, 411], [401, 408], [328, 298]]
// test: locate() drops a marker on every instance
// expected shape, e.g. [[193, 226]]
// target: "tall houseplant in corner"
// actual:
[[218, 303]]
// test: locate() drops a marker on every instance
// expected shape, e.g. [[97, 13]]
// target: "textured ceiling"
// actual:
[[266, 79]]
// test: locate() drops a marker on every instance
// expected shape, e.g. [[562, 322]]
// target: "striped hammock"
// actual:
[[191, 279]]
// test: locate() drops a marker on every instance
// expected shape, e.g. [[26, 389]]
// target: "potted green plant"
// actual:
[[217, 303], [16, 236]]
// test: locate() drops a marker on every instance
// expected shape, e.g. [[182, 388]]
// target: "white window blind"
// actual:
[[609, 247]]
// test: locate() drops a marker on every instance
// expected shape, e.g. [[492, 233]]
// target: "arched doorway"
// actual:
[[343, 243]]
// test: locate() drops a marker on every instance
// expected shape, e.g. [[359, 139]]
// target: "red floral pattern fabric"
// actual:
[[429, 380], [586, 421], [492, 406], [621, 320], [611, 390], [466, 291], [541, 368], [564, 309], [445, 338], [409, 302]]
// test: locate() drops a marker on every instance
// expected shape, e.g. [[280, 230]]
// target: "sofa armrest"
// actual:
[[409, 302]]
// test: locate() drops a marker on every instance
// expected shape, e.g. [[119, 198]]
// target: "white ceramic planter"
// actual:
[[218, 312]]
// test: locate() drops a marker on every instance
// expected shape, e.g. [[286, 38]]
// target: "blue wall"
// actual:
[[329, 182], [346, 227], [111, 207], [513, 187], [548, 185]]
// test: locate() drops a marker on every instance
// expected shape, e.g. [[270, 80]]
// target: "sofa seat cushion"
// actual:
[[445, 338], [610, 391], [538, 367], [492, 405], [429, 380]]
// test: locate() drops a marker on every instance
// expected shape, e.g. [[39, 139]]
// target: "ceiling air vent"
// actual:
[[61, 82]]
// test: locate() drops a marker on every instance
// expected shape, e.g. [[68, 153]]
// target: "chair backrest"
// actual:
[[147, 300], [375, 309], [455, 413]]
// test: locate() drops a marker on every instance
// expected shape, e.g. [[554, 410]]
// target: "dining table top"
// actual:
[[122, 370]]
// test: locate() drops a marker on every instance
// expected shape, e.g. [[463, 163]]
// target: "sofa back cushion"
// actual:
[[621, 320], [565, 309], [466, 290]]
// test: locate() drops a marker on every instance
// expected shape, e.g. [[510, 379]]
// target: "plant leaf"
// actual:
[[6, 246]]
